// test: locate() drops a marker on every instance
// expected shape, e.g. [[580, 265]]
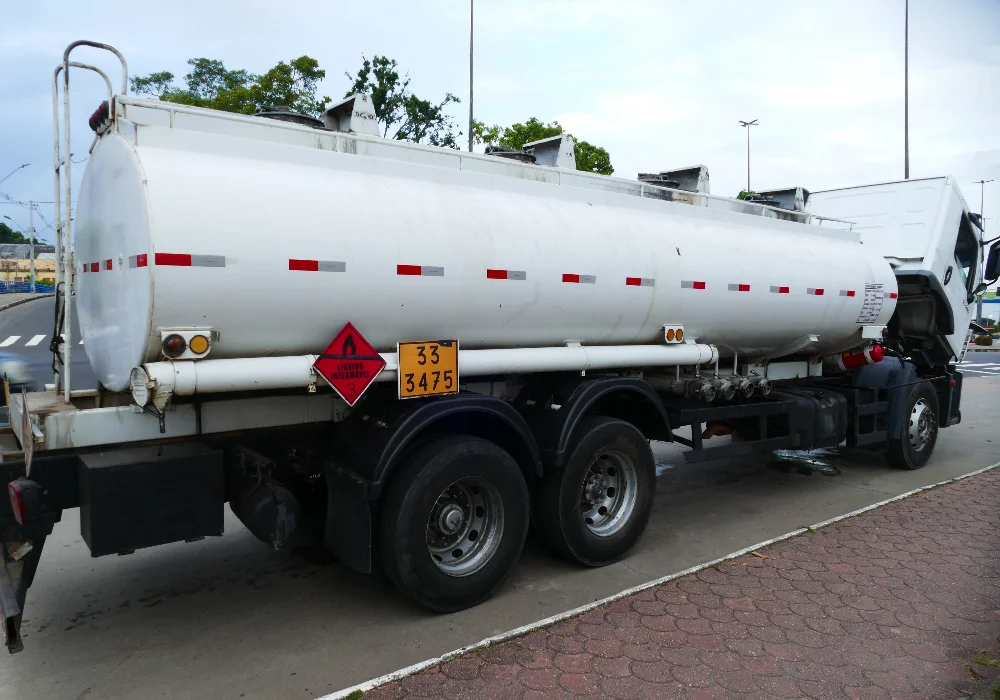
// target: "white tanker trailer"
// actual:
[[362, 339]]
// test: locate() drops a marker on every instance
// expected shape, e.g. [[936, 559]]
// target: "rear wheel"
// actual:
[[454, 522], [595, 508], [912, 449]]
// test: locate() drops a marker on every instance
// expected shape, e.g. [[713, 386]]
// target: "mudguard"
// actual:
[[553, 409], [370, 446]]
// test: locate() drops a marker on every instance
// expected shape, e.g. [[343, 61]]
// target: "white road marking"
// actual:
[[10, 341], [35, 341], [504, 636]]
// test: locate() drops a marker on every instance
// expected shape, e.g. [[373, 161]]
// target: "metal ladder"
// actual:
[[62, 343]]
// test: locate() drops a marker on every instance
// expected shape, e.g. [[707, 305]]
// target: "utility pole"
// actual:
[[471, 28], [906, 92], [31, 241], [747, 126]]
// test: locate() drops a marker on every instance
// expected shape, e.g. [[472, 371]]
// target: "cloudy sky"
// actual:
[[660, 84]]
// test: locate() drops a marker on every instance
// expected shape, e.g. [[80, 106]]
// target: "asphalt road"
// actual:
[[26, 331], [229, 618]]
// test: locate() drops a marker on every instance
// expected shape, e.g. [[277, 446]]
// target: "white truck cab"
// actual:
[[924, 229]]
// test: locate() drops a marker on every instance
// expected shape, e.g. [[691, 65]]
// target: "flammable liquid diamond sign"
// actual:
[[350, 364]]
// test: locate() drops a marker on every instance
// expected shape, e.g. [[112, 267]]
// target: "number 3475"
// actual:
[[429, 382]]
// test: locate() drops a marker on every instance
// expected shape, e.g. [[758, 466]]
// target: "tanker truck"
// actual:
[[413, 354]]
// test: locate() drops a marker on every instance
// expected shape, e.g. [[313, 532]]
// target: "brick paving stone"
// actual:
[[894, 603]]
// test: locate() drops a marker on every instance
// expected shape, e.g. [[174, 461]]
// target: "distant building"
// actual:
[[22, 251]]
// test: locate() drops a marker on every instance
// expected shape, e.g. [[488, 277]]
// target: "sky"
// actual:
[[660, 84]]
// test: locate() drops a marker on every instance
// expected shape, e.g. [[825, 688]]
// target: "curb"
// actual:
[[25, 301], [531, 627]]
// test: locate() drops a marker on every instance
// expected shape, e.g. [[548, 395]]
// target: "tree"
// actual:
[[414, 119], [589, 158], [210, 84], [9, 235]]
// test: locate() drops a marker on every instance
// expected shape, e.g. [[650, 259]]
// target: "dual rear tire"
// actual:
[[455, 518]]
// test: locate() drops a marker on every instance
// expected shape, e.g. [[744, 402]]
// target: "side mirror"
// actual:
[[992, 270]]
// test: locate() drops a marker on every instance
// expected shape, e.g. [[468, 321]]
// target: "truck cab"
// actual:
[[924, 230]]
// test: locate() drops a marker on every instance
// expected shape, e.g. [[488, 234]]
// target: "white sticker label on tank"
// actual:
[[874, 296]]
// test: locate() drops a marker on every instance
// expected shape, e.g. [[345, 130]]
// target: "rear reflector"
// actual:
[[16, 494]]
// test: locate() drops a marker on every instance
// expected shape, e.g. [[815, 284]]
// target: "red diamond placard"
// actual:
[[350, 364]]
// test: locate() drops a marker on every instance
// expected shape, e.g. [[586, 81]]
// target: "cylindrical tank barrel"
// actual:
[[273, 248]]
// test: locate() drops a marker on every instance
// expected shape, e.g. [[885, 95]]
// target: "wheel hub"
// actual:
[[450, 519], [465, 526], [923, 426], [608, 493], [595, 488]]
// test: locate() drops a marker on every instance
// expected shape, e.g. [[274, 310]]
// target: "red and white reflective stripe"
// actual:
[[739, 287], [847, 292], [891, 295], [692, 284], [420, 270], [138, 260], [95, 267], [580, 279], [506, 275], [780, 290], [640, 282], [108, 264], [317, 265], [188, 260], [815, 291]]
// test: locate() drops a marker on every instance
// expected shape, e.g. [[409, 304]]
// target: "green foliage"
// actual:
[[9, 235], [210, 84], [744, 194], [589, 158], [379, 78], [415, 119], [983, 340]]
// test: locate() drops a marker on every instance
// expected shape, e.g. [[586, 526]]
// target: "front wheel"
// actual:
[[596, 507], [912, 449], [454, 522]]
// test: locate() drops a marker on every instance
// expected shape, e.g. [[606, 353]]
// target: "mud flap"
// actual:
[[15, 578]]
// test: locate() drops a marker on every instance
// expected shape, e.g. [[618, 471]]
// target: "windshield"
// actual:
[[967, 253]]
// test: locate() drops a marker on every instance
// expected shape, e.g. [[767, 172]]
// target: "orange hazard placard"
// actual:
[[350, 364]]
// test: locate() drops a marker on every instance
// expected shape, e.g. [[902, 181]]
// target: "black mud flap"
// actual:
[[16, 576]]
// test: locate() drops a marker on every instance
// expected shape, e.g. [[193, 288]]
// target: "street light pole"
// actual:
[[982, 197], [471, 28], [747, 126], [906, 93], [15, 170], [31, 241]]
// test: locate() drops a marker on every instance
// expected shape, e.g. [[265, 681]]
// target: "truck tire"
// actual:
[[595, 508], [913, 447], [454, 522]]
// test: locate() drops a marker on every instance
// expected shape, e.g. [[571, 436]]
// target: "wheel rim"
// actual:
[[608, 493], [465, 526], [923, 426]]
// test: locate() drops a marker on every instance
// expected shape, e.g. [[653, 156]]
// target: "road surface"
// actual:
[[228, 618], [26, 331]]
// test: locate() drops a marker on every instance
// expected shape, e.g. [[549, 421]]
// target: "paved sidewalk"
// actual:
[[899, 602]]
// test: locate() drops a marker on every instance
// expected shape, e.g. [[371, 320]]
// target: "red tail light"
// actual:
[[16, 494], [100, 116]]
